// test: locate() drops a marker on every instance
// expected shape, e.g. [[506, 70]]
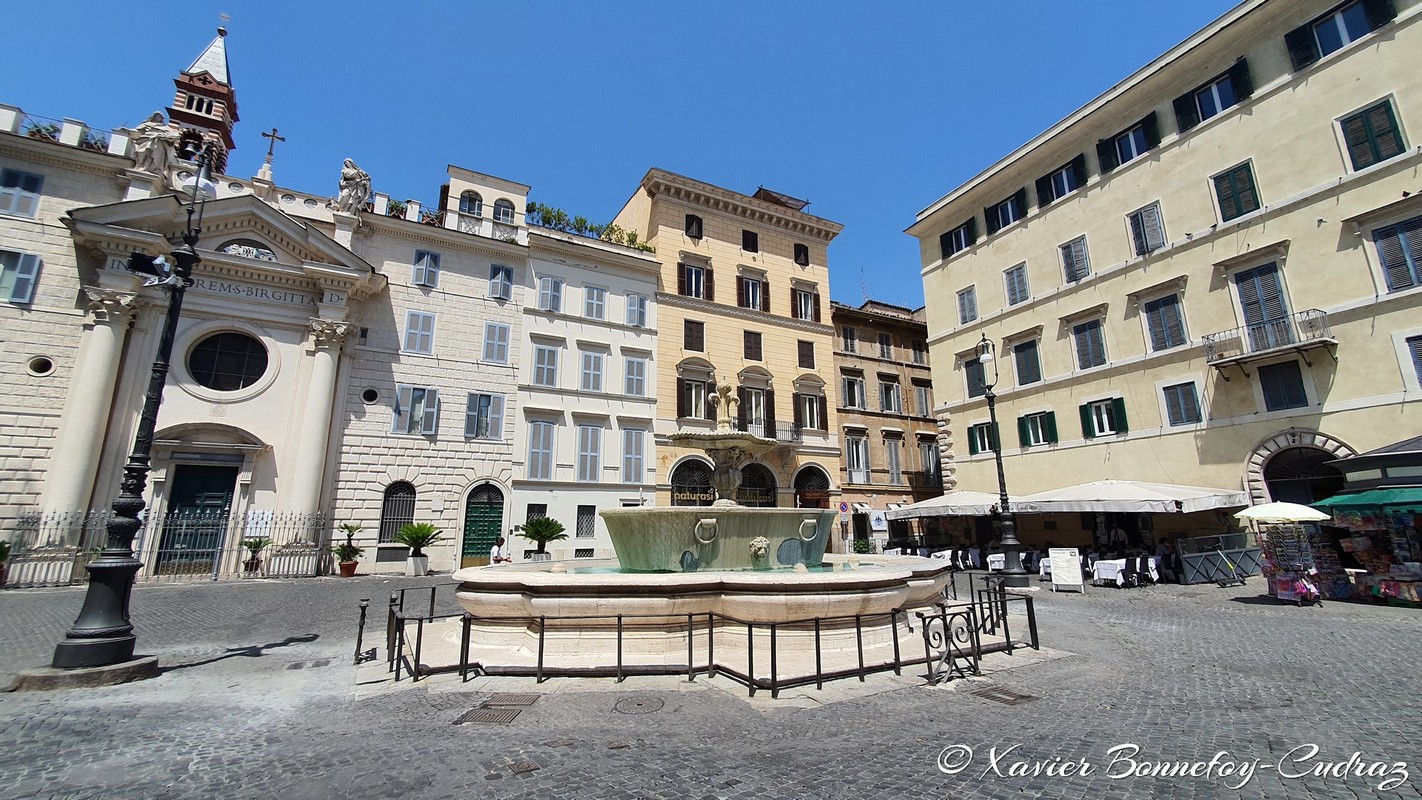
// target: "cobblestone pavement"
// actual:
[[1181, 672]]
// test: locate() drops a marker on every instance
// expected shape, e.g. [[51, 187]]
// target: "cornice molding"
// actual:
[[704, 195]]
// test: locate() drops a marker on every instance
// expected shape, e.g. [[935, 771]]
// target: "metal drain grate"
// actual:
[[501, 716], [998, 694], [512, 699]]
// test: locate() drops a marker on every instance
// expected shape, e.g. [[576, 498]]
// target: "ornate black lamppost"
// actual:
[[1013, 576], [103, 635]]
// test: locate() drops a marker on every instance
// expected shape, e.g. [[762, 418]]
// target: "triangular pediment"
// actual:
[[237, 232]]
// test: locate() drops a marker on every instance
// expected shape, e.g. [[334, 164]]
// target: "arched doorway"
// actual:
[[812, 488], [483, 521], [397, 509], [691, 484], [1301, 475], [757, 487], [1258, 483]]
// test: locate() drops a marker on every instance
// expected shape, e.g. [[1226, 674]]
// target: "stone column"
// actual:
[[303, 491], [70, 478]]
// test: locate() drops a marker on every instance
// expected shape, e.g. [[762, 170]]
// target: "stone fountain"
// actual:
[[679, 569], [724, 535]]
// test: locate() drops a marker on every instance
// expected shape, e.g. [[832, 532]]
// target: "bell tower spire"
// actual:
[[205, 105]]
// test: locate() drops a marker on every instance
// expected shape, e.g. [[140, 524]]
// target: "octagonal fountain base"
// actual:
[[567, 615]]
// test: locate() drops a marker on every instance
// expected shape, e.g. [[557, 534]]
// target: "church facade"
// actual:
[[370, 368]]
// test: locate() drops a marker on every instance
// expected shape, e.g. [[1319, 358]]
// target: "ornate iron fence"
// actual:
[[52, 549]]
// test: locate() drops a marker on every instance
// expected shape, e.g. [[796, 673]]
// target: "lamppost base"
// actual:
[[1015, 580], [103, 652], [49, 679]]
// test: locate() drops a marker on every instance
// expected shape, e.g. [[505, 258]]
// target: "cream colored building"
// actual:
[[1211, 274], [743, 299]]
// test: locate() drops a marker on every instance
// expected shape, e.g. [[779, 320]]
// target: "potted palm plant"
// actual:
[[541, 531], [255, 546], [417, 536], [348, 553]]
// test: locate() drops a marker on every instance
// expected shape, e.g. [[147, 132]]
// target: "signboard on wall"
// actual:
[[877, 521]]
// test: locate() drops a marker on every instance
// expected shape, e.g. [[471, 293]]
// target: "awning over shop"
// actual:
[[1135, 497], [1399, 496], [957, 504], [862, 508]]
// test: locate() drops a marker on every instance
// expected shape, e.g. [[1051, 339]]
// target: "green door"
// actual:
[[196, 523], [483, 520]]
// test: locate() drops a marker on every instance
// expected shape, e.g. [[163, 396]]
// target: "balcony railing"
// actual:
[[779, 431], [1303, 329]]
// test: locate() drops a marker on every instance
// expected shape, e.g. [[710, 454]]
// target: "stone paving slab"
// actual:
[[1180, 672]]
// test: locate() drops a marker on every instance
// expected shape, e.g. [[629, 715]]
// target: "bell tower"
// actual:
[[205, 105]]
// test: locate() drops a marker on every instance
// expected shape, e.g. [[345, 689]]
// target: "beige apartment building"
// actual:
[[885, 411], [1211, 274], [743, 299]]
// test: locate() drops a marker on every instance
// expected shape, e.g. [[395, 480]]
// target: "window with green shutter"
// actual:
[[1330, 32], [1372, 135], [1037, 429], [1414, 344], [1283, 386], [982, 438], [958, 239], [1103, 418], [1400, 251], [1235, 190]]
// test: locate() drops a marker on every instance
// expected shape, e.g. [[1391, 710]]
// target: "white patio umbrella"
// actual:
[[1135, 497], [1281, 512], [958, 504]]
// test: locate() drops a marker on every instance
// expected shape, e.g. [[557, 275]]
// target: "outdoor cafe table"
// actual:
[[1113, 571]]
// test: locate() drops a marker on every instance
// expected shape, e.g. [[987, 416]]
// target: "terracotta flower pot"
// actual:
[[348, 568]]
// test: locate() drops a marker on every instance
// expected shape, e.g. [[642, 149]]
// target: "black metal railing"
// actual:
[[1299, 328], [779, 431], [51, 549], [986, 615]]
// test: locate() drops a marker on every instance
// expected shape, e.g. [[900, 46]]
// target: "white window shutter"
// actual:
[[403, 398], [496, 416], [430, 424], [25, 278]]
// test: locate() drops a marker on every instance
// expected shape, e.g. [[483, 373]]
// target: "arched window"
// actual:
[[503, 211], [757, 487], [691, 484], [812, 488], [471, 203], [397, 510]]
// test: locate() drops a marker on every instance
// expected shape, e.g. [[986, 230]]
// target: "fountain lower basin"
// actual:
[[865, 585]]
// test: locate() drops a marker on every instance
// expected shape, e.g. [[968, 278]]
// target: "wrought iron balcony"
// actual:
[[779, 431], [1300, 331]]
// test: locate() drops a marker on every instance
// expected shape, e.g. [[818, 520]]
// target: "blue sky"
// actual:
[[870, 110]]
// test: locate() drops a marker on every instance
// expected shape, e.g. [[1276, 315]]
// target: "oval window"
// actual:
[[227, 361]]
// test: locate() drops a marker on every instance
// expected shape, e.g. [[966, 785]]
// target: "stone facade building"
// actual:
[[1208, 275], [886, 414], [744, 285]]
